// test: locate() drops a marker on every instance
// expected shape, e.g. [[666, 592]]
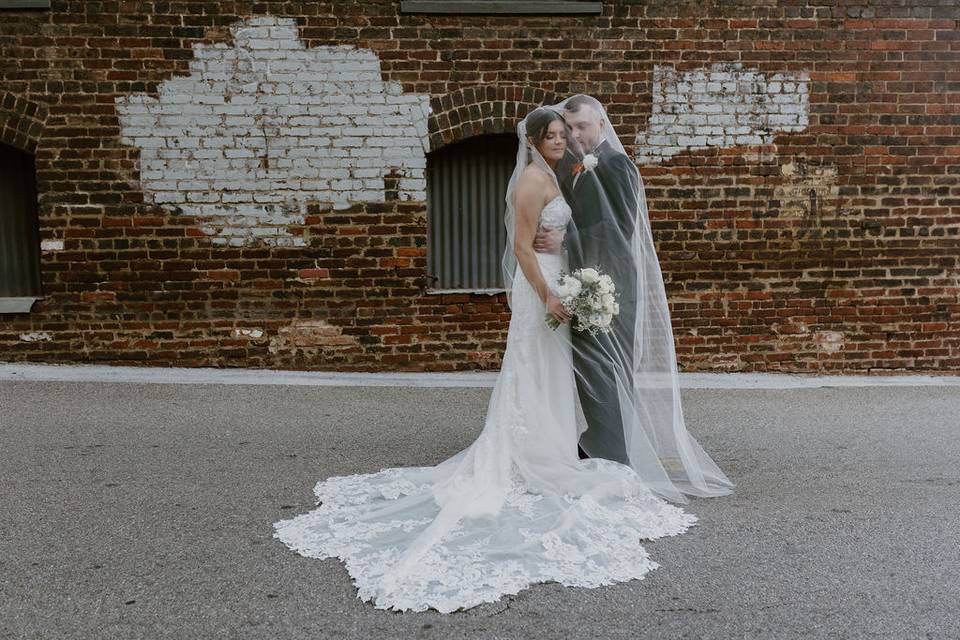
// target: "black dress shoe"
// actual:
[[582, 453]]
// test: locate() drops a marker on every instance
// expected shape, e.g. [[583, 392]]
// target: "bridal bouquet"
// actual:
[[591, 297]]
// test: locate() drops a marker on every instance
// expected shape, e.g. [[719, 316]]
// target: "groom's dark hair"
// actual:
[[573, 104]]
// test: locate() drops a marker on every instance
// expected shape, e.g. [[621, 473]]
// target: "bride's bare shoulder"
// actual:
[[534, 175]]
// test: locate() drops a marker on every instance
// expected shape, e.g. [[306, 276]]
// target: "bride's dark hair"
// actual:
[[538, 123]]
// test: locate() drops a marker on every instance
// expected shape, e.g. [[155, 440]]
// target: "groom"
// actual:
[[604, 204]]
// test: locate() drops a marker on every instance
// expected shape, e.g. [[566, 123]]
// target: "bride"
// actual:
[[519, 506]]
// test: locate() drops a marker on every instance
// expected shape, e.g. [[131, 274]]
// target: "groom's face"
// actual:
[[586, 125]]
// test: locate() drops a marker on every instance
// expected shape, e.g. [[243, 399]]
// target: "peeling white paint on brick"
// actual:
[[312, 334], [248, 333], [829, 341], [805, 188], [261, 127], [36, 336], [720, 106], [51, 245]]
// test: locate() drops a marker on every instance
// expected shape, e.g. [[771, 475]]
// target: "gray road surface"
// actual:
[[146, 510]]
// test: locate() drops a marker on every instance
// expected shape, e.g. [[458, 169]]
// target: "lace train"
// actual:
[[578, 541], [515, 508]]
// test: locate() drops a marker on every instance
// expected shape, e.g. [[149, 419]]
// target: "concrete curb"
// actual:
[[480, 379]]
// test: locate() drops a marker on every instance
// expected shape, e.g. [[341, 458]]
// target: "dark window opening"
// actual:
[[19, 228], [466, 186]]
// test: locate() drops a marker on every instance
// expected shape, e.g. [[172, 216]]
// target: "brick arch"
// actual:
[[21, 122], [473, 111]]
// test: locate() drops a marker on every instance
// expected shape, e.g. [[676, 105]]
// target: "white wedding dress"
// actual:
[[516, 507]]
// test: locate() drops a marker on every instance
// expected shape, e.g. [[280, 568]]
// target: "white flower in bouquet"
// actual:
[[568, 287], [606, 284], [607, 302], [588, 275], [590, 296]]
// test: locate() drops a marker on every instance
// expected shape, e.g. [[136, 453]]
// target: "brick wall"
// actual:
[[239, 184]]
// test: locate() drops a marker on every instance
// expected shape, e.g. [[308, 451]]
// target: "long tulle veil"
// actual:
[[611, 231]]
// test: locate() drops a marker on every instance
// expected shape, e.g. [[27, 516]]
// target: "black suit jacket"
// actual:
[[603, 224], [604, 219]]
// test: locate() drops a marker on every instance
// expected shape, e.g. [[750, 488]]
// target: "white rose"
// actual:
[[607, 300], [589, 275], [604, 321], [590, 161], [568, 286], [616, 308]]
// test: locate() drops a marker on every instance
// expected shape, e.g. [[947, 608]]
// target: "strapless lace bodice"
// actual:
[[556, 214]]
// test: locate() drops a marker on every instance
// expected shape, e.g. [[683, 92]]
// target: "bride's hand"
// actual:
[[555, 307]]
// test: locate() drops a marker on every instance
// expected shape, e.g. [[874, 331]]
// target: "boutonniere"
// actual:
[[588, 163]]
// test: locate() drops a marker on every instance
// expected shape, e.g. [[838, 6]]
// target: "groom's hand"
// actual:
[[548, 241]]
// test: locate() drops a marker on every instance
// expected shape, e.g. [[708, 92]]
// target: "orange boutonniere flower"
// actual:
[[577, 168]]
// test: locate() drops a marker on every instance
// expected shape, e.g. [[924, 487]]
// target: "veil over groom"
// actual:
[[518, 505], [629, 407], [600, 234]]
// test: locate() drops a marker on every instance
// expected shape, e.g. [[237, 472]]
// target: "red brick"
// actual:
[[860, 240]]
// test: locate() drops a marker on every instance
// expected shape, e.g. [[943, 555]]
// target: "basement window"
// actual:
[[19, 232]]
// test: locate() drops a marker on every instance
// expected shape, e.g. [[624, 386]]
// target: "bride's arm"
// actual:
[[529, 203]]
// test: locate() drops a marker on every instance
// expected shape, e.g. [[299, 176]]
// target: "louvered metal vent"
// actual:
[[466, 185]]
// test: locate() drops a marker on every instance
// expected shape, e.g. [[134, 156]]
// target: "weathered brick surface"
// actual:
[[265, 125], [242, 183]]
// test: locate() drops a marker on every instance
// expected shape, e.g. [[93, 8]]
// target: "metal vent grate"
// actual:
[[466, 185]]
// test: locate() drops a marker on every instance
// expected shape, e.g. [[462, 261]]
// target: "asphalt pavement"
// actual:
[[137, 510]]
